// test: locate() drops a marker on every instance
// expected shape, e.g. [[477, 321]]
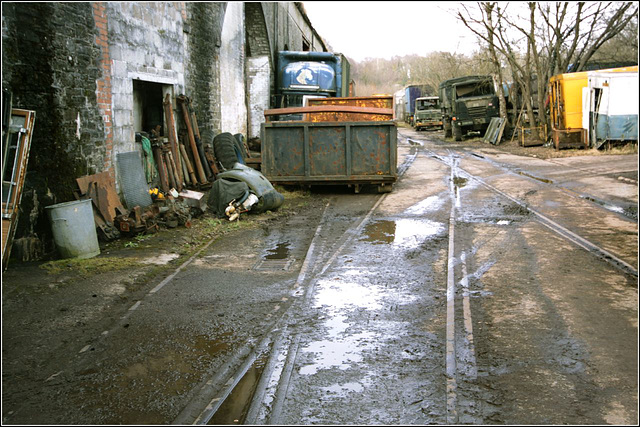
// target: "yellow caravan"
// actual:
[[565, 104]]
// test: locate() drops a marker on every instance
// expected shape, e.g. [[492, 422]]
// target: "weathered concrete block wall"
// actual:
[[146, 44], [258, 85], [51, 63]]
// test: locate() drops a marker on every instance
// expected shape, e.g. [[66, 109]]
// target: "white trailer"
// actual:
[[610, 107], [398, 105]]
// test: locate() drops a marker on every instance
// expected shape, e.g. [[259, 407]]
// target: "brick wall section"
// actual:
[[103, 89], [202, 73], [257, 37]]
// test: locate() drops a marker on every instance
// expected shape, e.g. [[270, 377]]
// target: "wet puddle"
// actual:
[[280, 251], [341, 390], [342, 293], [343, 346], [340, 351], [236, 406], [429, 204], [380, 232], [403, 233]]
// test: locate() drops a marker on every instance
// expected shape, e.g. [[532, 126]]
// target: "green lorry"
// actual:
[[427, 113], [468, 104]]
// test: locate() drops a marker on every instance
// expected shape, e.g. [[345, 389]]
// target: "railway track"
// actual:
[[548, 222], [278, 344], [275, 354]]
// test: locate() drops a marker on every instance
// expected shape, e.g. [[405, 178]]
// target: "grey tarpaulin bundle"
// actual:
[[236, 187]]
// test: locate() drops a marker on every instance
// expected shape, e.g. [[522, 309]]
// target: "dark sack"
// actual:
[[223, 192]]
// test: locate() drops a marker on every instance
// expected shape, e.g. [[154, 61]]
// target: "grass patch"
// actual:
[[89, 266], [183, 241]]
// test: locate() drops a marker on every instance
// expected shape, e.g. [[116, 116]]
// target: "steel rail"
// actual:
[[213, 404], [450, 341], [552, 225]]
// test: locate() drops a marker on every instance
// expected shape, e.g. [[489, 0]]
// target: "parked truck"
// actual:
[[411, 93], [302, 75], [468, 104], [427, 113]]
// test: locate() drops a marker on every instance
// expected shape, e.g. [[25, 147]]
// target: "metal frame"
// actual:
[[21, 124]]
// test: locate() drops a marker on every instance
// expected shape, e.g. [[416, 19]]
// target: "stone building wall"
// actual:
[[51, 63], [232, 71], [202, 29], [145, 45], [96, 72]]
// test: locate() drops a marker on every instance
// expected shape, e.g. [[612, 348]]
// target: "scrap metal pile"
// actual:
[[176, 177]]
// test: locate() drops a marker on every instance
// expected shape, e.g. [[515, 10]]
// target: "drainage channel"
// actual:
[[241, 397]]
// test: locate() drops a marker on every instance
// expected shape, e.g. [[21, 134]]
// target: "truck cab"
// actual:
[[303, 75], [427, 113], [468, 104]]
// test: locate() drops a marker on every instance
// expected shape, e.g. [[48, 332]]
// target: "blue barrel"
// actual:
[[74, 230]]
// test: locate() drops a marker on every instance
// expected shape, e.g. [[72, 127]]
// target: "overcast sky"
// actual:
[[383, 29]]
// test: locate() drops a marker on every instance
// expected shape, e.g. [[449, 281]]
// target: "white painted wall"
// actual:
[[233, 109], [258, 83]]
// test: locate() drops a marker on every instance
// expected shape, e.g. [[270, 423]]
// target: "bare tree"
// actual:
[[557, 35]]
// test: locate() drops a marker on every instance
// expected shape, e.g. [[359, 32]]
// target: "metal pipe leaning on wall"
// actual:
[[185, 157], [162, 171], [183, 101], [173, 135], [176, 171], [210, 172], [172, 178], [185, 171]]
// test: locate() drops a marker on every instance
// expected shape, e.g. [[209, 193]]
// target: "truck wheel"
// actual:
[[457, 132], [207, 137], [385, 188], [240, 143], [226, 151], [447, 129]]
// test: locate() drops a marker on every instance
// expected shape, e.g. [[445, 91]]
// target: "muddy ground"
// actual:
[[102, 341], [55, 312]]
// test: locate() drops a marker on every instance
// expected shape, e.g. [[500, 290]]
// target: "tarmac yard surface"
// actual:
[[486, 288]]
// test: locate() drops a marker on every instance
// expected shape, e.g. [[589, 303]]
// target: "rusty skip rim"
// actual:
[[292, 123]]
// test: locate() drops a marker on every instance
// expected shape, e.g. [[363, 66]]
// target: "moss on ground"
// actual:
[[129, 252]]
